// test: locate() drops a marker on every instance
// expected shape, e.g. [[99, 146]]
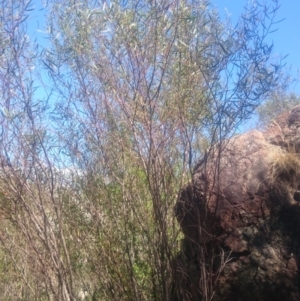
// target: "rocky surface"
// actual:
[[241, 218]]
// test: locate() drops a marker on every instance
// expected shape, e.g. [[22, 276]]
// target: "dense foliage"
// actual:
[[277, 104], [100, 128]]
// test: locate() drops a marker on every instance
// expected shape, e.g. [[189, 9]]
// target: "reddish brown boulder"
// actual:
[[241, 218]]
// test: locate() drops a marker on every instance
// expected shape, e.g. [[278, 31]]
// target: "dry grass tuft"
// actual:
[[286, 168]]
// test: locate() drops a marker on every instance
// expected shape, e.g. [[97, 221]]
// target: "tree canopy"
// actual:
[[277, 104]]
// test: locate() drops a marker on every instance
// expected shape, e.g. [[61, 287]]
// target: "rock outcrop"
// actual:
[[241, 218]]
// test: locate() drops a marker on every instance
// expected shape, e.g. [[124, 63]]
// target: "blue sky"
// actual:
[[286, 39]]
